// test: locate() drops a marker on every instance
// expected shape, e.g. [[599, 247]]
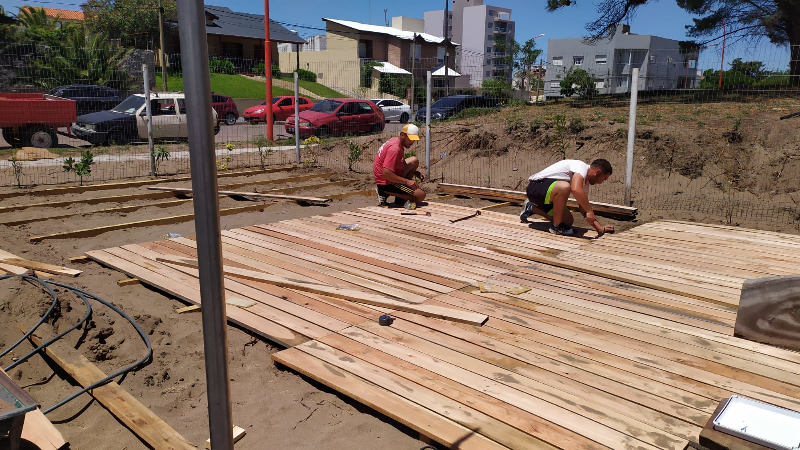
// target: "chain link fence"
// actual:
[[706, 141]]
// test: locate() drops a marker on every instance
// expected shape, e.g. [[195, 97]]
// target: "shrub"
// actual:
[[221, 66], [578, 82], [396, 85], [366, 73], [496, 89], [258, 69], [160, 153], [306, 75], [354, 153], [83, 167], [576, 125], [276, 71]]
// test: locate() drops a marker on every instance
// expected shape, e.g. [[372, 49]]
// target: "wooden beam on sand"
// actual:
[[119, 209], [353, 295], [311, 200], [136, 416], [9, 268], [238, 434], [518, 196], [128, 184], [41, 267], [142, 223]]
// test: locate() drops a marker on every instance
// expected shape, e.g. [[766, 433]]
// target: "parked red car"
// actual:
[[226, 108], [339, 116], [282, 107]]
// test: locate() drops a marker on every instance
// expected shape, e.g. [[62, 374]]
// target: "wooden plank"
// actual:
[[238, 434], [347, 294], [39, 431], [79, 259], [118, 209], [460, 413], [498, 205], [128, 184], [128, 282], [408, 413], [189, 308], [136, 416], [8, 268], [142, 223], [42, 267], [351, 194], [312, 200], [157, 195], [518, 196]]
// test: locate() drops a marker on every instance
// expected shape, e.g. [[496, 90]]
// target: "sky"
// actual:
[[658, 18]]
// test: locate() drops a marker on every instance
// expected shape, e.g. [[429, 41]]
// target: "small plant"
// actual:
[[312, 140], [82, 168], [576, 125], [354, 153], [222, 164], [160, 153], [618, 119], [230, 146], [221, 66], [17, 167], [264, 151], [734, 136], [700, 124], [560, 124]]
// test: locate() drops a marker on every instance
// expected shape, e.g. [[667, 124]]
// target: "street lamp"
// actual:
[[722, 58], [539, 71]]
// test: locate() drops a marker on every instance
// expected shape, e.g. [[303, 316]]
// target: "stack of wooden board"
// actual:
[[566, 359]]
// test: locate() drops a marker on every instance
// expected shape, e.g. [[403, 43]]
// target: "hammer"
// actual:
[[476, 214]]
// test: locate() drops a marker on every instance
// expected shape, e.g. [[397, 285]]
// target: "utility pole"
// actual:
[[161, 54], [268, 73], [446, 45], [385, 20], [413, 57]]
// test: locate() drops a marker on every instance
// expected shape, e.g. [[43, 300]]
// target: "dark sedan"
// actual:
[[447, 107], [89, 98]]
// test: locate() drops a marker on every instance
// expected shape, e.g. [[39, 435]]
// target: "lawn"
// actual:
[[320, 89], [235, 86]]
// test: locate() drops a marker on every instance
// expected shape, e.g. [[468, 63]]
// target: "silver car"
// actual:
[[393, 109]]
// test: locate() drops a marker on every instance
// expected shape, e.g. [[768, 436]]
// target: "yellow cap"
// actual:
[[412, 131]]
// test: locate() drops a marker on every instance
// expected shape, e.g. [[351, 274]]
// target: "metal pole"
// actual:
[[161, 46], [268, 72], [446, 47], [413, 57], [297, 51], [197, 86], [631, 134], [296, 117], [428, 130], [149, 112]]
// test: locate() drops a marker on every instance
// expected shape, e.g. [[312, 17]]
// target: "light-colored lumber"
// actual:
[[313, 200], [518, 196], [498, 205], [419, 418], [136, 416], [9, 268], [142, 223], [39, 431], [128, 282], [128, 184], [42, 267], [79, 259], [238, 434], [346, 294], [115, 210], [189, 308], [351, 194]]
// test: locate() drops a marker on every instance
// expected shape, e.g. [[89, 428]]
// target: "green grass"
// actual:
[[320, 89], [235, 86]]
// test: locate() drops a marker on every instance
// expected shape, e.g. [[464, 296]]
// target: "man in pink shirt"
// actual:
[[394, 174]]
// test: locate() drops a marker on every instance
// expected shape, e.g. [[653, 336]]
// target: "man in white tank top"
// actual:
[[549, 189]]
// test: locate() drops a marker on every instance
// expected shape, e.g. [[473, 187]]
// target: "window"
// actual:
[[669, 59], [492, 12], [488, 49], [392, 103], [365, 49], [652, 58], [577, 60], [348, 109], [364, 108], [489, 25], [440, 54], [414, 51], [600, 59], [302, 101], [555, 85], [558, 61], [599, 84], [285, 102], [488, 73]]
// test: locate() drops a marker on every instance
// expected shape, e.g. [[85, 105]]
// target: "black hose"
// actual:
[[83, 295], [42, 319]]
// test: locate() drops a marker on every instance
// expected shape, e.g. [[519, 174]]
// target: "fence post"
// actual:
[[146, 77], [428, 129], [631, 134], [197, 86], [296, 118]]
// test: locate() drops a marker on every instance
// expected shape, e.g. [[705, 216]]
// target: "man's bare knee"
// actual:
[[412, 161], [419, 195], [561, 187]]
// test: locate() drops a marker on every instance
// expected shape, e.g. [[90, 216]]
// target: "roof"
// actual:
[[386, 67], [440, 72], [400, 34], [229, 23], [63, 14]]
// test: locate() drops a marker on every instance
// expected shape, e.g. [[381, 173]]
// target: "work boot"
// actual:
[[562, 230], [381, 198], [526, 212]]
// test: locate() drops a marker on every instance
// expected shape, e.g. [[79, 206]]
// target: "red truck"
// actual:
[[29, 119]]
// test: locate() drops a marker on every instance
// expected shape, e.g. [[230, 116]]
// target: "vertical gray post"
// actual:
[[413, 57], [161, 55], [428, 129], [296, 118], [146, 77], [631, 134], [197, 85]]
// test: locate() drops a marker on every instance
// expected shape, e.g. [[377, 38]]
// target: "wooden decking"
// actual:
[[621, 342]]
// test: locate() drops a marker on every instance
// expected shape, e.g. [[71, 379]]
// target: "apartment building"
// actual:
[[484, 32], [313, 44], [662, 63]]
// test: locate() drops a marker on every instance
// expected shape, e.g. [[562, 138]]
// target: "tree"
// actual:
[[524, 58], [134, 22], [777, 20], [752, 69], [578, 82]]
